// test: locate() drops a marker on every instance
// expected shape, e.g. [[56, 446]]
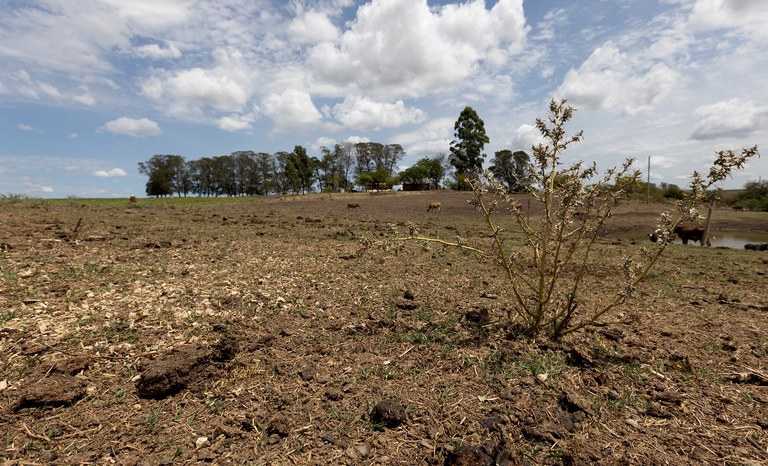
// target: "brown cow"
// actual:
[[433, 206], [691, 234], [133, 200], [353, 205]]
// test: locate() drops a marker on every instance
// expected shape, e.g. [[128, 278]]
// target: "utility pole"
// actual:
[[648, 183]]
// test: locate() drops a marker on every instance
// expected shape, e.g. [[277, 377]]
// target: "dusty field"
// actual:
[[248, 332]]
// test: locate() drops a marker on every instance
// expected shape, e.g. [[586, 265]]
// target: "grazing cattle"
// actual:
[[133, 200], [691, 234], [433, 206], [353, 205], [756, 247]]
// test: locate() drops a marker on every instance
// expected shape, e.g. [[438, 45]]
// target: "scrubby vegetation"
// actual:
[[548, 266], [754, 196]]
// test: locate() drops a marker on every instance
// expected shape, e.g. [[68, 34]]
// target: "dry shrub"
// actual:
[[548, 272]]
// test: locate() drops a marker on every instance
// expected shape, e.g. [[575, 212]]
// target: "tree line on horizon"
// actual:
[[247, 173], [344, 167], [367, 166]]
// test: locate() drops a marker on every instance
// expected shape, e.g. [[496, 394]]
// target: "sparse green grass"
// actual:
[[760, 346], [703, 373], [10, 277], [550, 363], [447, 394], [118, 332], [382, 371], [217, 405], [623, 400], [425, 314], [437, 333], [153, 418], [496, 365]]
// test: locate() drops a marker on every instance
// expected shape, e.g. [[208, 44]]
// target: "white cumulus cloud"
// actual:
[[729, 118], [35, 187], [366, 114], [612, 80], [133, 127], [663, 161], [525, 137], [429, 139], [235, 122], [748, 15], [228, 86], [155, 51], [404, 48], [292, 110], [312, 27], [110, 173]]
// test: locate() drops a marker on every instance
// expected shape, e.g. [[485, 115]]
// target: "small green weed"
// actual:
[[496, 364], [382, 371], [617, 402], [447, 394], [550, 363], [10, 277], [425, 315], [217, 405], [152, 420]]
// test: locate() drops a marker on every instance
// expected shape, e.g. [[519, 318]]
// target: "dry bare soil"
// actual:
[[248, 331]]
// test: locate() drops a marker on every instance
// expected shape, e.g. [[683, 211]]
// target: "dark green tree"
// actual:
[[390, 156], [380, 179], [513, 169], [265, 165], [415, 175], [247, 180], [201, 175], [435, 167], [329, 170], [427, 171], [299, 170], [368, 156], [346, 153], [467, 147], [320, 169], [224, 175], [282, 185], [167, 175], [754, 196]]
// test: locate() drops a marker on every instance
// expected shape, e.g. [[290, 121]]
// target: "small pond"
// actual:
[[719, 238]]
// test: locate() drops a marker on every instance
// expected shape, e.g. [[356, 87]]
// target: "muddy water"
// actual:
[[720, 238], [737, 239]]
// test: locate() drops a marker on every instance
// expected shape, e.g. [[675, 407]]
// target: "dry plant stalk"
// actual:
[[547, 298]]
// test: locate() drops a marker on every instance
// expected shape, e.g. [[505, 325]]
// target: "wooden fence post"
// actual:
[[705, 236]]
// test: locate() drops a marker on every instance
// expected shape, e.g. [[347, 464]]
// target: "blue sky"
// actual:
[[90, 88]]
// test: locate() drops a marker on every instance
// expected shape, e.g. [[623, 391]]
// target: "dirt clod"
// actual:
[[358, 451], [479, 315], [173, 371], [389, 413], [280, 426], [406, 304], [468, 456], [55, 390], [308, 373]]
